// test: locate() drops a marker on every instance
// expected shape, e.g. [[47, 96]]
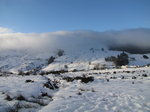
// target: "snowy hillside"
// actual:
[[75, 72], [87, 59], [73, 82], [114, 90]]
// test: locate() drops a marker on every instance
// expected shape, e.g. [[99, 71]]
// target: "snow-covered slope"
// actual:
[[124, 90], [60, 72], [113, 90], [87, 59]]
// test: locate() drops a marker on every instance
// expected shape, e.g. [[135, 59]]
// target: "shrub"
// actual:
[[51, 84], [144, 75], [102, 49], [68, 79], [51, 59], [74, 70], [133, 77], [145, 57], [92, 49], [82, 78], [57, 72], [132, 59], [8, 98], [89, 62], [60, 52], [65, 66], [27, 81], [79, 93], [86, 79], [45, 94], [121, 59], [20, 97], [111, 58]]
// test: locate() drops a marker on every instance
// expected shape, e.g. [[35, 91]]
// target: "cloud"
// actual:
[[74, 40], [5, 30]]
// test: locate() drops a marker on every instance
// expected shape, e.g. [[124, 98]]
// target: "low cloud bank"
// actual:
[[5, 30], [70, 40]]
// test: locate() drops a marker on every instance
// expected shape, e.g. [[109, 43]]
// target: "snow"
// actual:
[[88, 59], [117, 95], [113, 90], [15, 86], [84, 59]]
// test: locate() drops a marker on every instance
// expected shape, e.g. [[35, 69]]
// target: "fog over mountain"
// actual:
[[81, 39]]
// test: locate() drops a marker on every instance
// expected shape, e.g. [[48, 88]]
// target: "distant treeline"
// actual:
[[131, 49]]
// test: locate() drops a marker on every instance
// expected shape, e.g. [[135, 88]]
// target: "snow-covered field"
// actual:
[[123, 90], [113, 90], [25, 92], [71, 84]]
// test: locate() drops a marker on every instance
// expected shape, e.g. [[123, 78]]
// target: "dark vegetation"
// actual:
[[83, 79], [27, 81], [145, 75], [79, 93], [5, 73], [94, 50], [34, 71], [53, 72], [51, 59], [145, 57], [134, 77], [46, 95], [131, 49], [8, 98], [51, 84], [60, 52], [121, 59], [20, 98]]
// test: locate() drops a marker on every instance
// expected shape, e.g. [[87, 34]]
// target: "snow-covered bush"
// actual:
[[51, 59], [51, 84], [60, 52]]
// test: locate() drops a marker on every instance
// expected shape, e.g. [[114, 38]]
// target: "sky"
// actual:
[[39, 16]]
